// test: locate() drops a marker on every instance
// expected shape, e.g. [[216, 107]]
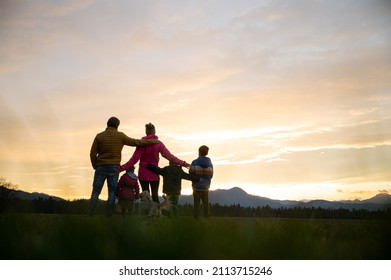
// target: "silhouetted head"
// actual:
[[203, 150], [113, 122], [150, 129]]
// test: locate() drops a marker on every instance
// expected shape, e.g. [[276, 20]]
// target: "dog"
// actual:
[[152, 209]]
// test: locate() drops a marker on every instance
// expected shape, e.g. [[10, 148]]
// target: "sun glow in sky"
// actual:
[[292, 97]]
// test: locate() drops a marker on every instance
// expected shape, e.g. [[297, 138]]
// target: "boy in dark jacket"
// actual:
[[172, 182]]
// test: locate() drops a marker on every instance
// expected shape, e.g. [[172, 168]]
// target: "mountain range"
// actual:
[[26, 195], [237, 195]]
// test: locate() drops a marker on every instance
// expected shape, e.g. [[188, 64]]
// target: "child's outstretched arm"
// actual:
[[191, 177], [154, 168]]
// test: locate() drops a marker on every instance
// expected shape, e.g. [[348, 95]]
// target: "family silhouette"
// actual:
[[105, 156]]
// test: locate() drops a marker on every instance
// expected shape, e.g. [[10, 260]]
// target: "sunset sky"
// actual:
[[292, 97]]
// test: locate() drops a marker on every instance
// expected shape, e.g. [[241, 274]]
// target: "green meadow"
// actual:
[[69, 237]]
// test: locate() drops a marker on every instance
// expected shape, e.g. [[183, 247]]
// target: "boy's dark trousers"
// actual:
[[201, 196]]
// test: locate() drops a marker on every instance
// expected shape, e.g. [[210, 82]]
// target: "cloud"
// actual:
[[70, 7], [362, 111]]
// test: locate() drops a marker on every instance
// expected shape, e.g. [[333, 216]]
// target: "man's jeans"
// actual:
[[104, 172]]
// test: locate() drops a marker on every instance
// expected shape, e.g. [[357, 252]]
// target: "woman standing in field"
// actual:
[[149, 180]]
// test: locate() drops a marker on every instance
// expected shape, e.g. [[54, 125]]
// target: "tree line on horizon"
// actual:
[[81, 206], [10, 203]]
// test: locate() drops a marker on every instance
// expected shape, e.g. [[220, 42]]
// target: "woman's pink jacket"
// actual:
[[150, 154]]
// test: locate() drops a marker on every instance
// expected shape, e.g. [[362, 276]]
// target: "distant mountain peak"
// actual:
[[236, 190], [34, 195], [380, 198]]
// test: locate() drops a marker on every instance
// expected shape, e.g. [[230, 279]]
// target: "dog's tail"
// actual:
[[165, 205]]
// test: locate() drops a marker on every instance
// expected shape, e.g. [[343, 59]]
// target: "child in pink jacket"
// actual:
[[150, 154], [128, 191]]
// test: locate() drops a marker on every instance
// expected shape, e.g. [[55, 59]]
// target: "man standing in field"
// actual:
[[105, 155], [201, 167]]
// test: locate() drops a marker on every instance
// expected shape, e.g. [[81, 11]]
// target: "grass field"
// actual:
[[69, 237]]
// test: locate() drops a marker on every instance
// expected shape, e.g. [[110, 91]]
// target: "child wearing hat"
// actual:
[[128, 191]]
